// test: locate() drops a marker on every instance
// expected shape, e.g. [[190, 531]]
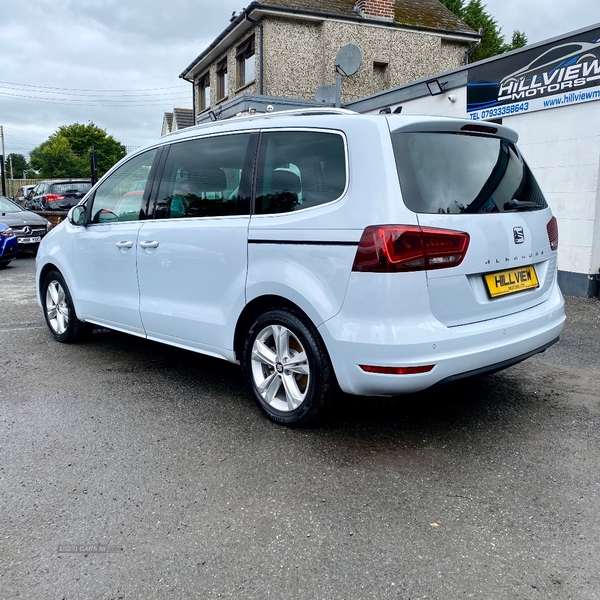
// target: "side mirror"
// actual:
[[76, 215]]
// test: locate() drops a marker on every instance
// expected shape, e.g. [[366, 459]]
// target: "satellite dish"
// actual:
[[348, 59]]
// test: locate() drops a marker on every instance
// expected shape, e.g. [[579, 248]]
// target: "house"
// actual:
[[180, 118], [288, 49]]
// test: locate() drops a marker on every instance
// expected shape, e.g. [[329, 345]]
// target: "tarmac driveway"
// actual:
[[134, 470]]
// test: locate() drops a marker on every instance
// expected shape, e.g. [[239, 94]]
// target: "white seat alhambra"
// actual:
[[383, 254]]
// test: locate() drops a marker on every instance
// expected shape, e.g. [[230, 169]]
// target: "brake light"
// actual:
[[397, 248], [53, 197], [552, 228], [397, 370], [480, 128]]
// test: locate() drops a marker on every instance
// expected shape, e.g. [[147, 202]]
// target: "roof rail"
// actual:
[[314, 111], [253, 114], [278, 113]]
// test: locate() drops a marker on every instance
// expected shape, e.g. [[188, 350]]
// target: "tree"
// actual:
[[55, 158], [66, 153], [475, 16], [519, 39], [19, 165]]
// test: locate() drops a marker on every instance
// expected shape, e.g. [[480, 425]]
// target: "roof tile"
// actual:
[[429, 14]]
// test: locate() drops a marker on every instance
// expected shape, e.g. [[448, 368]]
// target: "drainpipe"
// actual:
[[474, 47], [194, 101], [260, 49]]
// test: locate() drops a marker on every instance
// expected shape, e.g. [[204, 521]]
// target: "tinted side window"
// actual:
[[120, 196], [299, 169], [203, 178]]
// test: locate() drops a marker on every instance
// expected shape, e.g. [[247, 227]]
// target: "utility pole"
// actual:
[[3, 173], [11, 168], [94, 165]]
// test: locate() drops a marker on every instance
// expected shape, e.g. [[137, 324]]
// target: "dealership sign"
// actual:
[[548, 76]]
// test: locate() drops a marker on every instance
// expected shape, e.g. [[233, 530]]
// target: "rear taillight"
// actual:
[[53, 197], [397, 248], [552, 228]]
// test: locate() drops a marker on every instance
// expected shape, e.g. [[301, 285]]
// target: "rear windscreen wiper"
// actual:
[[515, 204]]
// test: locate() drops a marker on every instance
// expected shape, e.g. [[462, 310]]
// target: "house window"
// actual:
[[245, 62], [222, 83], [204, 88], [381, 76]]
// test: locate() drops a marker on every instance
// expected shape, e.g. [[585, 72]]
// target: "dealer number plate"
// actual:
[[29, 240], [511, 281]]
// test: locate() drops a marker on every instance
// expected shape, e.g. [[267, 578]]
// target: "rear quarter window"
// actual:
[[299, 169], [452, 173]]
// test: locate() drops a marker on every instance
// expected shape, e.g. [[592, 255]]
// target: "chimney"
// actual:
[[376, 9]]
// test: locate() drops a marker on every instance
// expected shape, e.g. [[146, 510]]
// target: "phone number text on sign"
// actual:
[[499, 111]]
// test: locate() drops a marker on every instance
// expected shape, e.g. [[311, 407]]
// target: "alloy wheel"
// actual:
[[57, 308], [280, 368]]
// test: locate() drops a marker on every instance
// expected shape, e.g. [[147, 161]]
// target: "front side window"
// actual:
[[245, 57], [203, 178], [121, 196], [299, 169], [204, 89], [451, 173]]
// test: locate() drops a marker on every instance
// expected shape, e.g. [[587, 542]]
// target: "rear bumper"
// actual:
[[498, 366], [455, 352]]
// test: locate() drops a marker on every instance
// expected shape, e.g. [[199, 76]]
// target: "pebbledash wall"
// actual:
[[550, 94], [300, 56]]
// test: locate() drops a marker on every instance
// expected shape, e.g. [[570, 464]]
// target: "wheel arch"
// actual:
[[47, 268], [253, 310], [44, 273]]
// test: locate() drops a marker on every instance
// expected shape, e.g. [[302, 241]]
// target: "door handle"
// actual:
[[147, 244], [124, 244]]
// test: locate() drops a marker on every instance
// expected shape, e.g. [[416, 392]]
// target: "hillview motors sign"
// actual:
[[548, 76]]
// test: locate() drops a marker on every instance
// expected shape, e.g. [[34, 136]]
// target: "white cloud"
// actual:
[[144, 45]]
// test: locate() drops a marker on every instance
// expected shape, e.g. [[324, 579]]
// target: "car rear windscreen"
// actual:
[[452, 173], [73, 186]]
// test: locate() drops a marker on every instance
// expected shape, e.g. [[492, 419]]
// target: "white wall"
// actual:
[[562, 145]]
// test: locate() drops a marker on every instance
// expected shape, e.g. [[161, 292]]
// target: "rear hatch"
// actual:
[[67, 194], [472, 178]]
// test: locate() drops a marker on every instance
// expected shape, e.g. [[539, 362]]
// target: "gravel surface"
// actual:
[[130, 469]]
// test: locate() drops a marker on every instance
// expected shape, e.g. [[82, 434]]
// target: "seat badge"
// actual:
[[519, 235]]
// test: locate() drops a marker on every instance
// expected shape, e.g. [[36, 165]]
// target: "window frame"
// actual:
[[243, 52], [203, 88], [246, 186], [260, 162], [149, 188], [222, 80]]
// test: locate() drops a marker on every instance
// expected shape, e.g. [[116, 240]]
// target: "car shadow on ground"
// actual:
[[484, 404]]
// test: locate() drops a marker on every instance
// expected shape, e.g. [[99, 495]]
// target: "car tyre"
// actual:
[[60, 311], [287, 367], [4, 263]]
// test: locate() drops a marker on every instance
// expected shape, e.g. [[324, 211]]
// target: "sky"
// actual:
[[116, 63]]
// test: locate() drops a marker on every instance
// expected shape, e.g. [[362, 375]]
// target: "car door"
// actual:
[[192, 256], [104, 252]]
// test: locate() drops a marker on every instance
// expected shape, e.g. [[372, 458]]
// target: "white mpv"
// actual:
[[383, 254]]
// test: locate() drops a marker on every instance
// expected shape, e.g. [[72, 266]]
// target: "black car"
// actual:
[[58, 194], [27, 226]]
